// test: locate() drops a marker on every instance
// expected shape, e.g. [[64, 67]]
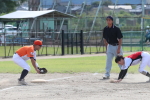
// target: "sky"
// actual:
[[89, 1]]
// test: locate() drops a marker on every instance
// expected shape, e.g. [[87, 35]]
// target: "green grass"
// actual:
[[67, 65], [50, 50]]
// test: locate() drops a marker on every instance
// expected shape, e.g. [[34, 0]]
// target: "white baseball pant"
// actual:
[[20, 62], [145, 62]]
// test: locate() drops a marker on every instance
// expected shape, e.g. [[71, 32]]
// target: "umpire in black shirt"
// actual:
[[113, 41]]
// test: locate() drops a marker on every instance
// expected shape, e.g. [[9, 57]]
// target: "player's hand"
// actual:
[[118, 51], [118, 80], [115, 81], [37, 70]]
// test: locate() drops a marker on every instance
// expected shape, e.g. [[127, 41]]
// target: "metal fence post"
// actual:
[[13, 43], [4, 40], [81, 42], [46, 48], [76, 43], [72, 43], [21, 40], [62, 43], [67, 43], [54, 46], [142, 40], [130, 42]]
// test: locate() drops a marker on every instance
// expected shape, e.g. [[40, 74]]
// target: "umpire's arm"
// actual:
[[104, 38], [105, 42]]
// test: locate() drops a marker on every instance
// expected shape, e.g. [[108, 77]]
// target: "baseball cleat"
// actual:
[[105, 77], [22, 82]]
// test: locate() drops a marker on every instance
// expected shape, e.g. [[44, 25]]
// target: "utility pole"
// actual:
[[143, 14], [142, 23]]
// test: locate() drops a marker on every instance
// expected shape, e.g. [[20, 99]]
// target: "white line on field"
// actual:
[[7, 89], [46, 80], [97, 72]]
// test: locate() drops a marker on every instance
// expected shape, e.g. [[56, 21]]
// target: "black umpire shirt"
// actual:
[[111, 35]]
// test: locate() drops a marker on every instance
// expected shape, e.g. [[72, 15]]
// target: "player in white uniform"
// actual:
[[22, 55], [139, 57]]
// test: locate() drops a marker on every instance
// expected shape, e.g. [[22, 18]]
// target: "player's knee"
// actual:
[[27, 68]]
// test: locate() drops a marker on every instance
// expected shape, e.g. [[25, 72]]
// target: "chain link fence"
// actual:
[[132, 41]]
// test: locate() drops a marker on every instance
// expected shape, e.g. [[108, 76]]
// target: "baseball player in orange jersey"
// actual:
[[22, 55]]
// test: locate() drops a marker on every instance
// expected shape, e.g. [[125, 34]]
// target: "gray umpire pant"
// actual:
[[111, 53]]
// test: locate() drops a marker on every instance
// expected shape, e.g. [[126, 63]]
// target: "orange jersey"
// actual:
[[26, 52]]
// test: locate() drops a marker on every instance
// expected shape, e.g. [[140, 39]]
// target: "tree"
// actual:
[[7, 6], [88, 8], [133, 6], [95, 4], [107, 2], [124, 14], [33, 5]]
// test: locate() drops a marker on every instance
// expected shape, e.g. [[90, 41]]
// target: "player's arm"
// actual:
[[122, 75], [105, 39], [31, 54], [34, 64]]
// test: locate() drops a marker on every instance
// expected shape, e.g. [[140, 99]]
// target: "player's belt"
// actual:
[[114, 44]]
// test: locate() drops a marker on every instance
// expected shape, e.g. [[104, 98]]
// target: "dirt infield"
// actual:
[[80, 86]]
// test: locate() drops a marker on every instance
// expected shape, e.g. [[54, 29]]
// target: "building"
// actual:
[[38, 22]]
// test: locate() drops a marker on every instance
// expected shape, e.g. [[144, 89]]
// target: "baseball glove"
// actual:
[[43, 70]]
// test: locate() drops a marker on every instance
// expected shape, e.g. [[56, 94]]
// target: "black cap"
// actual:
[[110, 17]]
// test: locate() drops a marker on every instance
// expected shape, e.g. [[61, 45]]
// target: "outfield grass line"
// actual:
[[65, 56]]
